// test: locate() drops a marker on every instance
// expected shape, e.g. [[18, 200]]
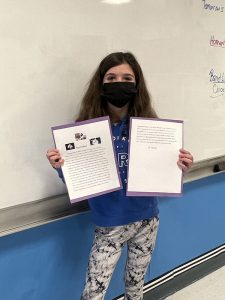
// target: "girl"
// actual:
[[118, 89]]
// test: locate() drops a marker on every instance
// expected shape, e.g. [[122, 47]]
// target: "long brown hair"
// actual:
[[92, 106]]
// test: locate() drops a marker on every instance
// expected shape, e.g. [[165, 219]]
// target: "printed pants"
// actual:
[[108, 243]]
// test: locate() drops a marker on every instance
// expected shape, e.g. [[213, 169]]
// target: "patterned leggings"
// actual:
[[108, 243]]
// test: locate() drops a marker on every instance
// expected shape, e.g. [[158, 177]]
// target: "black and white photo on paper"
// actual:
[[70, 146], [95, 141], [80, 136]]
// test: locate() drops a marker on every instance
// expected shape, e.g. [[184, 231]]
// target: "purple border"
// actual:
[[80, 123], [114, 152], [105, 118], [145, 194], [93, 195], [158, 119], [182, 175]]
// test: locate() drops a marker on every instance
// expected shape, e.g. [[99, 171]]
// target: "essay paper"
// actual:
[[153, 155], [90, 167]]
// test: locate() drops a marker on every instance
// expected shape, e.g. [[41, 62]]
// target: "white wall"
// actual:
[[48, 49]]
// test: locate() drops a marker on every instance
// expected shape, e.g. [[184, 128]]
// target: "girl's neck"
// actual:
[[117, 113]]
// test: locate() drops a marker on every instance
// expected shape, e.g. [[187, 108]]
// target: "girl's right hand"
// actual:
[[55, 158]]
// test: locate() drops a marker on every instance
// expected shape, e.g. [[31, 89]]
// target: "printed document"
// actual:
[[153, 155], [90, 168]]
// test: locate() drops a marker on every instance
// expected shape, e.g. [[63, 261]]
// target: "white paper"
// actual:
[[90, 168], [153, 155]]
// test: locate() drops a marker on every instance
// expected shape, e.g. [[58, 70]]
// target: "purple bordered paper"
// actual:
[[138, 193], [75, 124]]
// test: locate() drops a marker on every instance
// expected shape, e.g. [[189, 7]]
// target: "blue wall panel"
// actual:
[[191, 225], [49, 262]]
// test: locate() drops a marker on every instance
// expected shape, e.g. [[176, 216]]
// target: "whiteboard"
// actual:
[[50, 48]]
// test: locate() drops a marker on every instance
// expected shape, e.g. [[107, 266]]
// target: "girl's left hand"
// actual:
[[185, 160]]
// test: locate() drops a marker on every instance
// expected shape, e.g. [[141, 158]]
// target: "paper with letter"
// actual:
[[153, 155], [90, 168]]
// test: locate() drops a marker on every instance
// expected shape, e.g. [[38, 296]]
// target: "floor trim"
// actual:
[[183, 275]]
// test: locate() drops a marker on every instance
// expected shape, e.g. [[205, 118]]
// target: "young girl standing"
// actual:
[[118, 89]]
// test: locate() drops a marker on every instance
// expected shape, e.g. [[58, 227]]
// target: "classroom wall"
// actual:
[[46, 60], [49, 49], [49, 262]]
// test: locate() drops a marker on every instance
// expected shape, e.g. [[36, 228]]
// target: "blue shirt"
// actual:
[[115, 208]]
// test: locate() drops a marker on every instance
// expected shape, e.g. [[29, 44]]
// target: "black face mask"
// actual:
[[118, 93]]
